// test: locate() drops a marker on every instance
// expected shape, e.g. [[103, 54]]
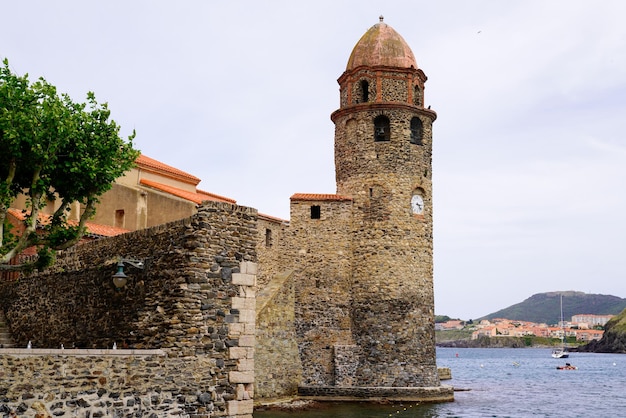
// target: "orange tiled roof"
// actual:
[[104, 230], [272, 218], [316, 196], [213, 196], [42, 218], [154, 165], [191, 196], [92, 228]]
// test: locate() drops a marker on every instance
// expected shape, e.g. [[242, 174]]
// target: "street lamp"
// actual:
[[120, 278]]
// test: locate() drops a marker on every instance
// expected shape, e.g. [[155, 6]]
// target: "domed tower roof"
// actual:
[[381, 45]]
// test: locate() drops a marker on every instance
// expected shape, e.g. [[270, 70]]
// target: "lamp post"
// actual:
[[120, 278]]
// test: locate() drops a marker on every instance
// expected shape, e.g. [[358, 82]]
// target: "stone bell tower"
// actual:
[[383, 146]]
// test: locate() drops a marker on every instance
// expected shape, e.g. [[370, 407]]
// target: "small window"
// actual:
[[316, 212], [417, 131], [119, 218], [365, 93], [268, 237], [382, 130]]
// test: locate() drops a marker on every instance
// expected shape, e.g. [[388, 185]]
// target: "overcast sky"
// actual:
[[529, 153]]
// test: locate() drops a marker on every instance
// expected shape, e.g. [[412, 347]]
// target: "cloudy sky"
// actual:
[[529, 145]]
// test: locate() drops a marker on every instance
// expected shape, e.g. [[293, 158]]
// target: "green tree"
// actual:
[[53, 149], [441, 318]]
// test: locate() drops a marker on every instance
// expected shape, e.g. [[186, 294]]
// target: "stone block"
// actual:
[[243, 303], [241, 377], [245, 364], [241, 393], [235, 330], [248, 267], [236, 408], [247, 292], [237, 352], [247, 316], [246, 341], [244, 279]]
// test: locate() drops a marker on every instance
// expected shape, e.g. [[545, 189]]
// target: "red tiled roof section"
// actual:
[[272, 218], [197, 197], [315, 196], [92, 228], [20, 215], [151, 164], [217, 197], [104, 230]]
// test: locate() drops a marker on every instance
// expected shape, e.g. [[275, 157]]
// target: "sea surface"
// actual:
[[507, 382]]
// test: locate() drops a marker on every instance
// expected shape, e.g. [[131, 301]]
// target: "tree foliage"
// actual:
[[54, 152]]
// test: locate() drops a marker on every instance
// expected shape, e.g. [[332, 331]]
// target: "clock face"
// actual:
[[417, 204]]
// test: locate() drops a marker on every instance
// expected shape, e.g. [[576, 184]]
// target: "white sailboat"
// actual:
[[561, 352]]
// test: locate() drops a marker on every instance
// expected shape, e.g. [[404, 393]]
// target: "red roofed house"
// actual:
[[151, 194]]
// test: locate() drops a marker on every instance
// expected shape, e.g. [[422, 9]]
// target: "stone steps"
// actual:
[[5, 335]]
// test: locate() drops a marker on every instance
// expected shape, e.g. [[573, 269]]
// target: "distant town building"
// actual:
[[590, 320], [502, 327]]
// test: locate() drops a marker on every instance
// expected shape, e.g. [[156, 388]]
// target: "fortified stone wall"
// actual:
[[278, 369], [194, 302], [271, 248], [321, 259]]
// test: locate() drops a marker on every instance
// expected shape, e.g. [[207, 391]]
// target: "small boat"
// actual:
[[561, 352], [567, 367]]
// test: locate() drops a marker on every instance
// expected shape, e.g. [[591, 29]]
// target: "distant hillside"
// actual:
[[614, 338], [545, 307]]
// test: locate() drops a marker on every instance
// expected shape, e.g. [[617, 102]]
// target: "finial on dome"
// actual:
[[381, 18]]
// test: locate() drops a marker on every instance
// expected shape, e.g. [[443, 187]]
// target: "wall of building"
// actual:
[[194, 301], [142, 207], [278, 369], [320, 254], [271, 248]]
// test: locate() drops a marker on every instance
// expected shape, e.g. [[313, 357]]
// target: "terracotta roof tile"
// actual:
[[18, 214], [104, 230], [214, 196], [191, 196], [154, 165], [92, 228], [272, 218], [315, 196]]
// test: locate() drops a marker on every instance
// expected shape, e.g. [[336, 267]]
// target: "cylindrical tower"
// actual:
[[383, 146]]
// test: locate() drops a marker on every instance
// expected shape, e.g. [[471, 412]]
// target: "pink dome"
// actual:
[[381, 45]]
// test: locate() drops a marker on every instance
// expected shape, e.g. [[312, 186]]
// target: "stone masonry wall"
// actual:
[[278, 369], [271, 248], [391, 247], [321, 258], [194, 302], [392, 295]]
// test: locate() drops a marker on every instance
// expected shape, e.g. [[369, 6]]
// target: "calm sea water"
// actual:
[[508, 383]]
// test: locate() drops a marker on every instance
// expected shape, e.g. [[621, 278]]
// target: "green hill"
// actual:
[[545, 307], [614, 338]]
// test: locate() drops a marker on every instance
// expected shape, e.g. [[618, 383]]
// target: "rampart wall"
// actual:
[[183, 326]]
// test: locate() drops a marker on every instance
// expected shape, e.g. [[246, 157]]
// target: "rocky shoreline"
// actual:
[[487, 342]]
